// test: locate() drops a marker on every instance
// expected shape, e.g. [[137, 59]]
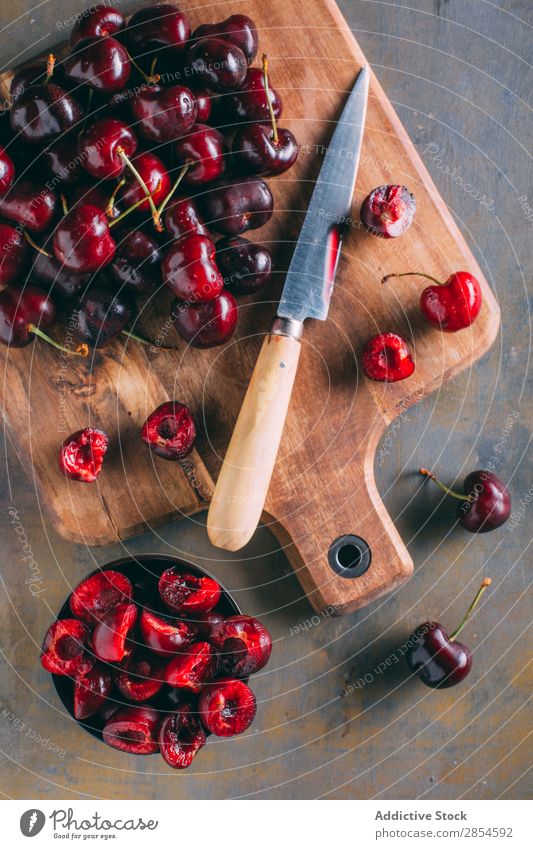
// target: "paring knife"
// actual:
[[242, 485]]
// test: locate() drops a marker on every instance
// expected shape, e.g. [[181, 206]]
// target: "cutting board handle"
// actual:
[[244, 478]]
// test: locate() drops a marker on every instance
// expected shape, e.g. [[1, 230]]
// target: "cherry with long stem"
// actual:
[[414, 274], [178, 180], [486, 582], [275, 136], [81, 351], [128, 163], [34, 245], [446, 489]]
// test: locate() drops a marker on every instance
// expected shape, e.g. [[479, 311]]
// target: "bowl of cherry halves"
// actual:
[[154, 655]]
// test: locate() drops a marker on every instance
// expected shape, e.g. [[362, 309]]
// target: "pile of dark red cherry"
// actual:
[[146, 133], [155, 663]]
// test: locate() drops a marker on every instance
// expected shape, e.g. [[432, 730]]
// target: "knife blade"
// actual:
[[244, 478]]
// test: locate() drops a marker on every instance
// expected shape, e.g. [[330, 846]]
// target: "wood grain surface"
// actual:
[[456, 72], [323, 484]]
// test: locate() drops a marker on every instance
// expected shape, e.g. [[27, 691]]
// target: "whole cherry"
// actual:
[[101, 315], [386, 357], [24, 312], [101, 64], [14, 253], [169, 431], [388, 211], [82, 240], [217, 64], [232, 206], [264, 148], [34, 207], [182, 217], [449, 306], [43, 112], [190, 271], [99, 147], [204, 148], [61, 283], [206, 325], [163, 114], [153, 176], [61, 159], [237, 29], [35, 73], [438, 659], [97, 22], [485, 502], [252, 102], [82, 454], [137, 262], [245, 266], [157, 27]]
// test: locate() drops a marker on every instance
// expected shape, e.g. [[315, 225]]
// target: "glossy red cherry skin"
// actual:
[[491, 506], [164, 635], [94, 194], [97, 22], [386, 357], [232, 206], [454, 305], [190, 271], [34, 74], [203, 104], [82, 241], [181, 737], [244, 645], [133, 729], [169, 431], [98, 593], [82, 454], [163, 114], [227, 707], [157, 27], [43, 112], [98, 145], [100, 63], [14, 253], [255, 151], [61, 159], [206, 325], [91, 691], [217, 65], [64, 650], [250, 102], [182, 217], [7, 170], [188, 594], [237, 29], [112, 631], [245, 266], [19, 309], [137, 262], [204, 148], [388, 211], [156, 177], [30, 205], [192, 668], [438, 661], [102, 315], [56, 279]]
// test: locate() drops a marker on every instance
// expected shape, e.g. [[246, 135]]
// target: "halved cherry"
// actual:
[[64, 649], [111, 633], [82, 454], [244, 645], [181, 737], [188, 594], [98, 594], [192, 668], [133, 729], [227, 707], [164, 635], [140, 676], [91, 691]]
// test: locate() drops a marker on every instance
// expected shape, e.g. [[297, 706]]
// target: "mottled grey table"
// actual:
[[458, 74]]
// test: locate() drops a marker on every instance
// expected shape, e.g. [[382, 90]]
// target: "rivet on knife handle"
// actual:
[[244, 479]]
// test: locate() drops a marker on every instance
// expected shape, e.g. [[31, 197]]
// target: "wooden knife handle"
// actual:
[[244, 478]]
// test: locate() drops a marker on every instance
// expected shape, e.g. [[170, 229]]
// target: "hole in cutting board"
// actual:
[[349, 556]]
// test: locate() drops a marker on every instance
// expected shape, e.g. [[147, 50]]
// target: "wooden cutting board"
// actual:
[[323, 486]]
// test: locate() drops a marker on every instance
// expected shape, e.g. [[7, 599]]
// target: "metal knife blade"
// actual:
[[311, 274]]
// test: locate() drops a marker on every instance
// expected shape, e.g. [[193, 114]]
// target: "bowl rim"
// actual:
[[63, 684]]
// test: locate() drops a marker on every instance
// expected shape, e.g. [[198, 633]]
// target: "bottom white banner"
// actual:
[[342, 823]]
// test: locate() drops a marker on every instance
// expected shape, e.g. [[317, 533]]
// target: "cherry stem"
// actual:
[[413, 274], [126, 212], [64, 204], [148, 78], [447, 490], [129, 164], [111, 203], [179, 178], [275, 137], [486, 582], [50, 65], [152, 68], [81, 350], [34, 245], [143, 341]]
